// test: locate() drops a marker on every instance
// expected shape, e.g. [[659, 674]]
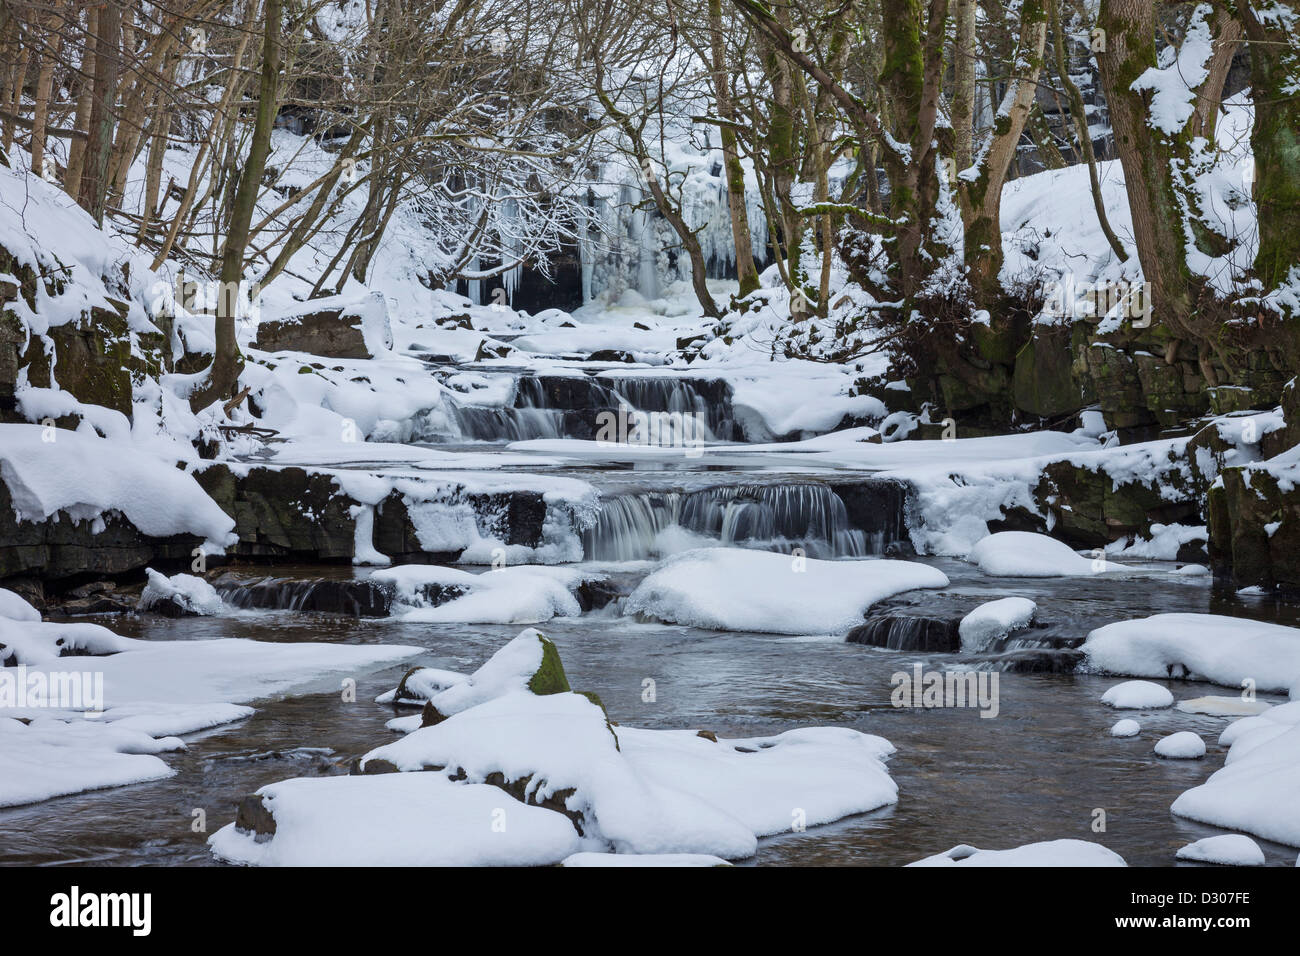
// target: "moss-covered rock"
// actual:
[[1043, 380], [549, 677]]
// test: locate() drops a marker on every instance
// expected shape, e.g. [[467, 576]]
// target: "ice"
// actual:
[[1228, 849], [1230, 651], [1138, 695], [1048, 853], [1183, 745], [741, 590], [1030, 555], [993, 621]]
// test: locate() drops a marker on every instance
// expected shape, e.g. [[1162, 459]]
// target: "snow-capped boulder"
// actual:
[[993, 621], [1030, 555], [332, 328], [1184, 745], [1228, 849], [1047, 853], [741, 590], [1138, 695], [181, 595]]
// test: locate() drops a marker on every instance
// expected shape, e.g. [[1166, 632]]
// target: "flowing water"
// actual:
[[1044, 768], [1040, 770]]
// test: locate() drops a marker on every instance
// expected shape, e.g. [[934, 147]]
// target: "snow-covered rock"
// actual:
[[15, 608], [1228, 849], [1138, 695], [1030, 555], [740, 590], [643, 859], [1126, 728], [1225, 650], [396, 819], [1183, 745], [1047, 853], [1255, 791], [993, 621], [179, 596], [522, 594]]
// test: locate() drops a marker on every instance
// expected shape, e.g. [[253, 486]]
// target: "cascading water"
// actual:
[[782, 517], [652, 410]]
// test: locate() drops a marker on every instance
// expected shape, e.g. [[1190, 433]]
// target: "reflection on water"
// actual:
[[1038, 771]]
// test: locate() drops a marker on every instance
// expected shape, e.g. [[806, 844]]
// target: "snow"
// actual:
[[993, 621], [521, 594], [40, 762], [1255, 790], [1026, 554], [1224, 650], [1138, 695], [740, 590], [1183, 745], [192, 594], [46, 476], [654, 791], [643, 859], [1048, 853], [398, 819], [1126, 728], [1228, 849], [148, 692], [15, 608], [508, 671]]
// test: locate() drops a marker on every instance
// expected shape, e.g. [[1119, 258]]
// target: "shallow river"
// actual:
[[1039, 771]]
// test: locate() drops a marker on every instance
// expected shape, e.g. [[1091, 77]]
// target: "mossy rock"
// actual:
[[1043, 381], [549, 677]]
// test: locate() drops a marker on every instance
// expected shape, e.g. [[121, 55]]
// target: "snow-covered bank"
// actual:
[[100, 706]]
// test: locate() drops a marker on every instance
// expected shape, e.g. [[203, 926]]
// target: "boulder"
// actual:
[[331, 328]]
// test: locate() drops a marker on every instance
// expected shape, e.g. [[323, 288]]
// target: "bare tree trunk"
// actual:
[[1079, 114], [223, 375], [41, 111], [85, 102], [963, 89], [1130, 31], [92, 191], [746, 271]]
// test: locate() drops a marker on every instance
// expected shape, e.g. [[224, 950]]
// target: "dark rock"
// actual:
[[593, 595], [908, 632], [363, 598], [332, 332]]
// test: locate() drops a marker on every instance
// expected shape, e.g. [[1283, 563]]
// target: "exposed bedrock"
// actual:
[[285, 514]]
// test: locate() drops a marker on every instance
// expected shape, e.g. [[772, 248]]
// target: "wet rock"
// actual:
[[1254, 523], [363, 598], [593, 595], [254, 818], [908, 632]]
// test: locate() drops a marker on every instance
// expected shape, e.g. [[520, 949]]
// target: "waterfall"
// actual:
[[805, 515], [326, 595]]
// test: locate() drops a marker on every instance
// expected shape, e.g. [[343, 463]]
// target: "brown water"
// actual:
[[1036, 772]]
